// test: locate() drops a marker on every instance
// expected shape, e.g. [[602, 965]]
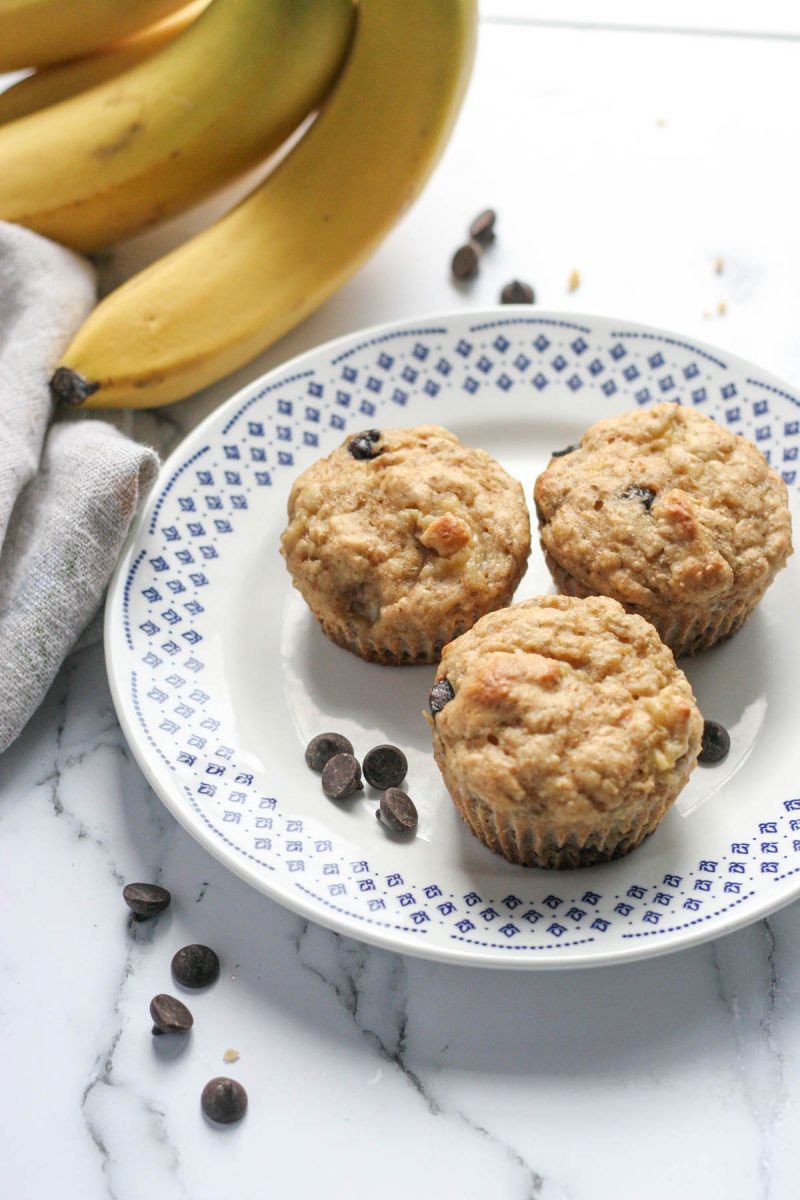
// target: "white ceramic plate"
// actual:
[[221, 676]]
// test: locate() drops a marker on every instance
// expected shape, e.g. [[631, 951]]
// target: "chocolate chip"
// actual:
[[145, 899], [715, 744], [464, 265], [440, 694], [385, 767], [195, 966], [341, 776], [517, 293], [482, 228], [645, 495], [363, 445], [224, 1100], [397, 811], [170, 1015], [566, 450], [323, 747]]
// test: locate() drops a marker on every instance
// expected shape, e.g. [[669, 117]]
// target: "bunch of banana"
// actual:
[[61, 80], [221, 298], [214, 102]]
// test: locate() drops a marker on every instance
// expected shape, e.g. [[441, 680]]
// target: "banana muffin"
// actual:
[[677, 518], [563, 730], [401, 538]]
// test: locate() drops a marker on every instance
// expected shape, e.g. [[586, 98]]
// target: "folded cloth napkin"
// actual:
[[68, 491]]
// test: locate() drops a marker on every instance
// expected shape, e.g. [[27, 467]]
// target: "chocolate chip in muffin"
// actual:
[[341, 776], [440, 694], [364, 445], [385, 767], [397, 811], [645, 495], [715, 744], [323, 747], [566, 450]]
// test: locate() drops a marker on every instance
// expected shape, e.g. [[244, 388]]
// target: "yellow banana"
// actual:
[[35, 32], [221, 298], [214, 102], [51, 84]]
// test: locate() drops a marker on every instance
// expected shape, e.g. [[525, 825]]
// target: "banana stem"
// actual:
[[70, 387]]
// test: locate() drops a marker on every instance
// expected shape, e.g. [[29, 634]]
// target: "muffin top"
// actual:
[[565, 708], [662, 506], [405, 525]]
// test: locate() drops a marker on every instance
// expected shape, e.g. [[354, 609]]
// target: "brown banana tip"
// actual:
[[70, 387]]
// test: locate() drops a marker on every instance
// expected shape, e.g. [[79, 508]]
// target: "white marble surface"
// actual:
[[652, 153]]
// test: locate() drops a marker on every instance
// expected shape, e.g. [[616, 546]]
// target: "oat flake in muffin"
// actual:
[[401, 538], [674, 516], [568, 730]]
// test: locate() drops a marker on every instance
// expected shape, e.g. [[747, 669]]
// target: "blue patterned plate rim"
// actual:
[[726, 858]]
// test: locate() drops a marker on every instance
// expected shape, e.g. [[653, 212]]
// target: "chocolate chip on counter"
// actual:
[[195, 966], [145, 899], [464, 265], [341, 776], [363, 445], [566, 450], [482, 228], [224, 1100], [324, 746], [645, 495], [517, 292], [170, 1015], [385, 767], [397, 811], [440, 694], [715, 744]]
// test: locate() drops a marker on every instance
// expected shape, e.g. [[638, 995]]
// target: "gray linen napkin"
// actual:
[[67, 493]]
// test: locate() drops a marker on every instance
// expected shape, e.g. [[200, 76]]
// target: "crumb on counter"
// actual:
[[574, 281], [719, 266], [231, 1056], [722, 308]]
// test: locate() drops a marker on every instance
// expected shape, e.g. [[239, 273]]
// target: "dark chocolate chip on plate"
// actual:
[[341, 776], [323, 747], [644, 495], [440, 694], [385, 767], [715, 744], [224, 1100], [170, 1015], [397, 811], [145, 899], [195, 966]]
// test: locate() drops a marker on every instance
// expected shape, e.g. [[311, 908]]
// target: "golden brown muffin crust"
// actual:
[[661, 508], [570, 711], [425, 534]]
